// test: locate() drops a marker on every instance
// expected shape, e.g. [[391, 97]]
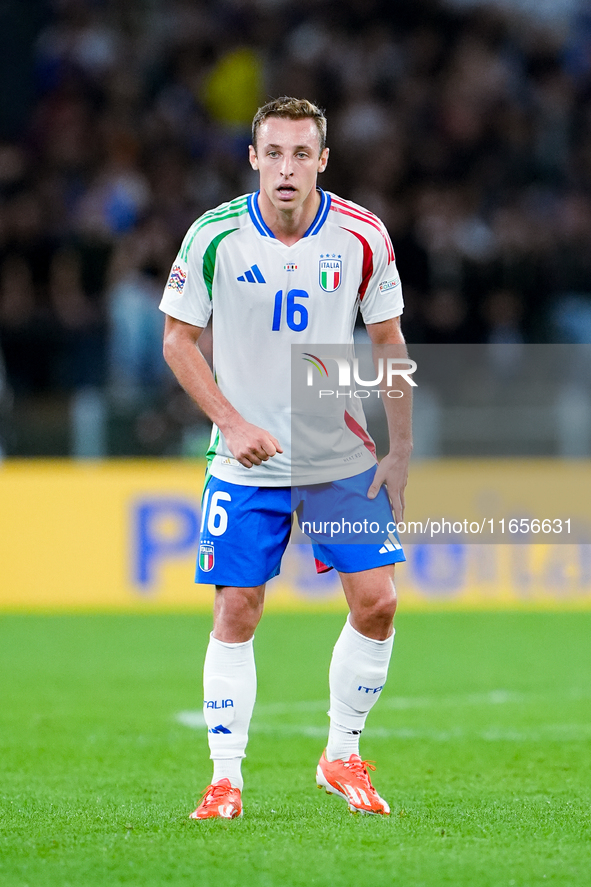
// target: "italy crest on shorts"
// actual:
[[330, 273], [206, 558]]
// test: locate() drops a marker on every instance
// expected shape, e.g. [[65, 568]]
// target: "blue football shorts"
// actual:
[[245, 530]]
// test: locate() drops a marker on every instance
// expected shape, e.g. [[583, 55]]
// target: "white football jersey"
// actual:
[[267, 297]]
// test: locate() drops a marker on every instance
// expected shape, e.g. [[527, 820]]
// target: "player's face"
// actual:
[[288, 159]]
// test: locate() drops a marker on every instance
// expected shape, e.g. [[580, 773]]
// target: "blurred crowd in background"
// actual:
[[468, 131]]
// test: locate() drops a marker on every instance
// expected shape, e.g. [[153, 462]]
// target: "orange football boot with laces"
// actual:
[[219, 801], [350, 780]]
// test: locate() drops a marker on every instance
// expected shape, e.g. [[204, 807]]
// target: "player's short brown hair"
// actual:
[[293, 109]]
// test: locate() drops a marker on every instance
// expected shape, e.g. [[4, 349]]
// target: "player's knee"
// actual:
[[374, 615], [243, 598], [237, 612], [385, 606]]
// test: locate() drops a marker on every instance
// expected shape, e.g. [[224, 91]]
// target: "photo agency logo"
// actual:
[[349, 375]]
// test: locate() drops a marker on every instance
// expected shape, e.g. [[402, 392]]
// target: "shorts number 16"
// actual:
[[296, 315]]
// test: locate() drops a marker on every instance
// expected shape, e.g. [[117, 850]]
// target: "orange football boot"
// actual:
[[350, 780], [219, 801]]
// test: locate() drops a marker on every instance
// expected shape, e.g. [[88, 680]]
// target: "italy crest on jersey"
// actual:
[[331, 273], [206, 558]]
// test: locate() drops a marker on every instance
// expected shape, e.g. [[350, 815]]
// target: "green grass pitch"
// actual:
[[482, 739]]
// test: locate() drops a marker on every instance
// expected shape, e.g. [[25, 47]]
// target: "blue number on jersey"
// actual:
[[296, 314]]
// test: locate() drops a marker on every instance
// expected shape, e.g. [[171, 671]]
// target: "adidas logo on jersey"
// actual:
[[253, 275], [391, 544]]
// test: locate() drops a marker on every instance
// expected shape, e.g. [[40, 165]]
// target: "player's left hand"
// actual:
[[392, 471]]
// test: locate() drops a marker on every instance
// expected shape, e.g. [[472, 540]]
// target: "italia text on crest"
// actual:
[[330, 272]]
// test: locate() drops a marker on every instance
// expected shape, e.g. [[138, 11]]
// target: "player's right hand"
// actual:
[[251, 445]]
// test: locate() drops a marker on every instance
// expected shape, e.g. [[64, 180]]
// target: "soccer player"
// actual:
[[287, 265]]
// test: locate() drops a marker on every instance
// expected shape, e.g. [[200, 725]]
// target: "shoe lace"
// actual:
[[360, 768], [213, 793]]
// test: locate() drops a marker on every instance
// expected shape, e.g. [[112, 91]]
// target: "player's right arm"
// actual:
[[248, 443]]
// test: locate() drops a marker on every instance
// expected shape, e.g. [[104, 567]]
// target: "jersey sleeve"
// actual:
[[381, 291], [186, 296]]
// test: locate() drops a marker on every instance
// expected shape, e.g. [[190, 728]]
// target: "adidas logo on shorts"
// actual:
[[391, 544]]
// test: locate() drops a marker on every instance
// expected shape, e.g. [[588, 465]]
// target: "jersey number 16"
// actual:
[[296, 315]]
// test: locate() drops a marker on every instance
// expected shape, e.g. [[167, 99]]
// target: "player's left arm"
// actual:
[[388, 341]]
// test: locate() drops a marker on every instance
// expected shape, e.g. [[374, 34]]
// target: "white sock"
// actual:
[[230, 686], [228, 768], [358, 672]]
